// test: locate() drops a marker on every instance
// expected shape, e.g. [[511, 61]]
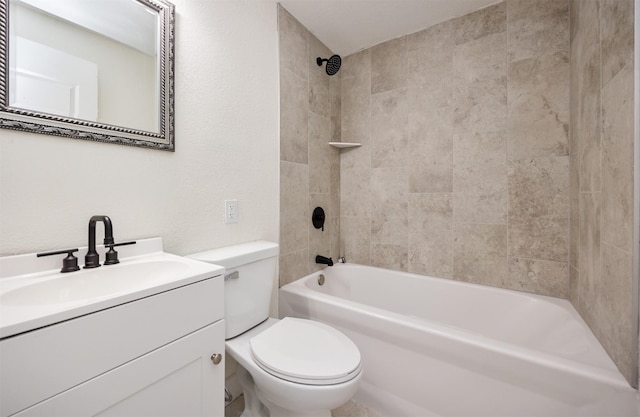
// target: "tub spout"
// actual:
[[323, 260]]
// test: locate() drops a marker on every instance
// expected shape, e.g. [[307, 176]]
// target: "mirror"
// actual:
[[98, 70]]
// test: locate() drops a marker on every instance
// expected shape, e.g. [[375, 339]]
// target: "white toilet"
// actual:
[[290, 367]]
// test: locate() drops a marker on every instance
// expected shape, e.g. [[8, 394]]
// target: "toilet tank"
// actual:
[[249, 274]]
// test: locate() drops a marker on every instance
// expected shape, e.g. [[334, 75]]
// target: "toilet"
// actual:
[[287, 367]]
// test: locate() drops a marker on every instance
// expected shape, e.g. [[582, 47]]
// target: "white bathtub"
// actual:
[[439, 347]]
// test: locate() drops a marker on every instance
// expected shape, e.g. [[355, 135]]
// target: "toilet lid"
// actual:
[[306, 352]]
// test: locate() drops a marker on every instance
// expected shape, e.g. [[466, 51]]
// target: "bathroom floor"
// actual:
[[350, 409], [235, 407]]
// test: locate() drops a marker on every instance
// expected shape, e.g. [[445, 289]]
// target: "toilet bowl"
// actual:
[[288, 367], [298, 386]]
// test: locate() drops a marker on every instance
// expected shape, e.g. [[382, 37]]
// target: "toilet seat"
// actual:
[[306, 352]]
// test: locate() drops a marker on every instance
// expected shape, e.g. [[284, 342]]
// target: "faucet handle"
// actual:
[[69, 264], [111, 257]]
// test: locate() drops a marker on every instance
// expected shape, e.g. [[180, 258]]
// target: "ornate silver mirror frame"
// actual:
[[44, 123]]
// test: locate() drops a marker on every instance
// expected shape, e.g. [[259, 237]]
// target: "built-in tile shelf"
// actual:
[[344, 145]]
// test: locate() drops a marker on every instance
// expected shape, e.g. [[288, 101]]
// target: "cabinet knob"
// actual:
[[216, 358]]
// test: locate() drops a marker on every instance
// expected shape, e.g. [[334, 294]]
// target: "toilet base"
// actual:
[[256, 405], [252, 405]]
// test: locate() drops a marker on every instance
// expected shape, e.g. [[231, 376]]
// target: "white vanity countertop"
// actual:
[[33, 298]]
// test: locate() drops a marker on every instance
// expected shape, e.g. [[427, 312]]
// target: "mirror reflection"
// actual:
[[76, 58], [103, 65]]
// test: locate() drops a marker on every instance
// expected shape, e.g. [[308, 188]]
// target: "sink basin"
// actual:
[[40, 298], [89, 284]]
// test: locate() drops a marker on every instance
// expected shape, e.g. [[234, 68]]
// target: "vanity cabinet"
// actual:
[[150, 357]]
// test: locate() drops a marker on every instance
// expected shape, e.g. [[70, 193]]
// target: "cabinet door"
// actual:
[[178, 379]]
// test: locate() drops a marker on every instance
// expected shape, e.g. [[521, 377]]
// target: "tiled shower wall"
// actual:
[[309, 167], [463, 171], [602, 166]]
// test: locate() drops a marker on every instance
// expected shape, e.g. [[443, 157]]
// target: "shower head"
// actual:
[[333, 64]]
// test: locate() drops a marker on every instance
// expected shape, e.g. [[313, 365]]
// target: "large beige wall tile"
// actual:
[[335, 98], [574, 103], [574, 282], [294, 206], [492, 19], [430, 55], [357, 65], [389, 65], [480, 106], [537, 27], [489, 208], [294, 117], [539, 208], [616, 36], [355, 190], [538, 117], [293, 39], [480, 84], [389, 256], [334, 208], [320, 154], [574, 211], [480, 253], [590, 122], [389, 129], [336, 244], [317, 73], [614, 309], [293, 266], [356, 98], [480, 59], [389, 206], [319, 99], [431, 234], [574, 13], [617, 161], [356, 239], [356, 127], [480, 177], [334, 185], [585, 93], [590, 261], [430, 152], [539, 277]]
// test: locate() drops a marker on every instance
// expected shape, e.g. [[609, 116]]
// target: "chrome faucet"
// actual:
[[92, 259]]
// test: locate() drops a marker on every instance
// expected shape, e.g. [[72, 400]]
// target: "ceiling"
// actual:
[[348, 26]]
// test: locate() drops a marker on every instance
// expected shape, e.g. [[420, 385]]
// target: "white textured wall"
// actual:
[[226, 147]]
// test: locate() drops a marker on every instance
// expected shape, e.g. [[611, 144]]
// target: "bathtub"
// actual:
[[445, 348]]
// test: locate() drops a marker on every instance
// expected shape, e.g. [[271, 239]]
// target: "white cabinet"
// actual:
[[178, 379], [150, 357]]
